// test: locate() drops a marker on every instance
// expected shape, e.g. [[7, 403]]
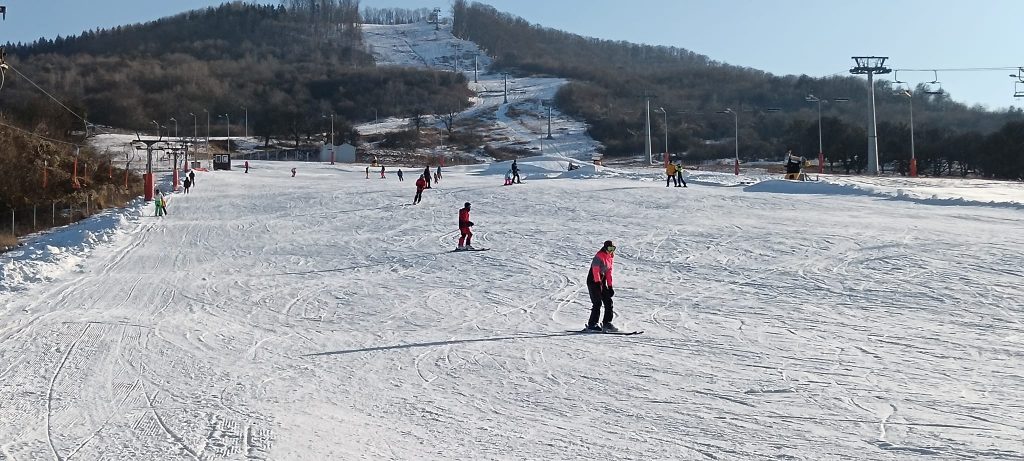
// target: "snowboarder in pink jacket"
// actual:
[[599, 284]]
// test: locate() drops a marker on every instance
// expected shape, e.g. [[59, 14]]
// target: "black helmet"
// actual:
[[466, 205]]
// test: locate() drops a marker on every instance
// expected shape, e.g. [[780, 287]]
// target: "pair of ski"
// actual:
[[602, 332], [457, 250]]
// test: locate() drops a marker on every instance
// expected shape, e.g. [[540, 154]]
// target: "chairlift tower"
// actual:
[[435, 17], [871, 65], [148, 181]]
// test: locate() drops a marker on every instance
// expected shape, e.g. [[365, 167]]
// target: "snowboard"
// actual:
[[619, 333], [474, 249]]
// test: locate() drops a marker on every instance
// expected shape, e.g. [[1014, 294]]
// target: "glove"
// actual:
[[610, 291], [469, 224]]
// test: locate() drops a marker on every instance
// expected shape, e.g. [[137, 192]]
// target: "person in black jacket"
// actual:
[[515, 173]]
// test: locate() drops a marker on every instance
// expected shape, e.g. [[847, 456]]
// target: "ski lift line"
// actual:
[[48, 94], [39, 136], [962, 69]]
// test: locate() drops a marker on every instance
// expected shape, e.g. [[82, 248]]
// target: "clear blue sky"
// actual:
[[813, 37]]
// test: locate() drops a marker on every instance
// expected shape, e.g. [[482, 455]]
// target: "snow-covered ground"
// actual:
[[322, 317]]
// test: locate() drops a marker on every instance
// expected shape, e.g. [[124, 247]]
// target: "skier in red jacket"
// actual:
[[599, 284], [420, 184], [466, 235]]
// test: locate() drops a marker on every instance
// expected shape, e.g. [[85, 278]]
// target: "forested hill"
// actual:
[[612, 78], [287, 65]]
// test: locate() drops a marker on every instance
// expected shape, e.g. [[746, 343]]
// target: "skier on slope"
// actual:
[[679, 174], [465, 235], [426, 175], [670, 171], [420, 184], [515, 173], [599, 284]]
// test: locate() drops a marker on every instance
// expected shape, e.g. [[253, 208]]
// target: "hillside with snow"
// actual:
[[521, 122]]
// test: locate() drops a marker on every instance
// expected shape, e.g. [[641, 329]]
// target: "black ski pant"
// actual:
[[418, 197], [515, 177], [669, 180], [679, 179], [598, 295]]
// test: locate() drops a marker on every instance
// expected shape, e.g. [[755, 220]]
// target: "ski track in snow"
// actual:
[[271, 315]]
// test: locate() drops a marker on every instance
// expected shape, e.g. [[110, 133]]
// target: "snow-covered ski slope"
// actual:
[[522, 122], [322, 317]]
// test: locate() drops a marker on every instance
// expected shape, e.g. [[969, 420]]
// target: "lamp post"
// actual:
[[174, 169], [227, 119], [332, 135], [195, 134], [736, 121], [665, 113], [246, 121], [821, 150], [913, 158], [207, 130]]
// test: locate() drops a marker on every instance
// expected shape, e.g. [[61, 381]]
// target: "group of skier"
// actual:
[[423, 182], [160, 199], [512, 176], [599, 276], [674, 172]]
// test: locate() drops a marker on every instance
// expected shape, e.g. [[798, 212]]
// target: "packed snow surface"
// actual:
[[324, 317]]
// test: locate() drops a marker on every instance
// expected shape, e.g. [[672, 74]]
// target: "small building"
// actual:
[[221, 162], [345, 153]]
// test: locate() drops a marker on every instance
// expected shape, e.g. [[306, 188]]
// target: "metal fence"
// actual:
[[42, 216]]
